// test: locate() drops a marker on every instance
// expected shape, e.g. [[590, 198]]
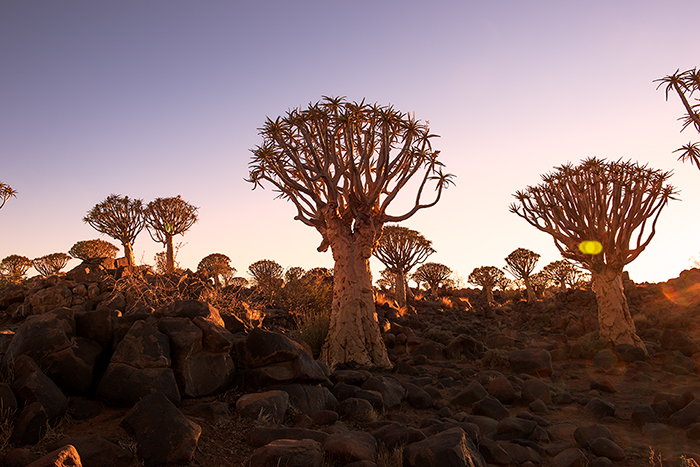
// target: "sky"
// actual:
[[165, 98]]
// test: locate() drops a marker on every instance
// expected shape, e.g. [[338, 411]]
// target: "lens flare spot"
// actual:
[[590, 247]]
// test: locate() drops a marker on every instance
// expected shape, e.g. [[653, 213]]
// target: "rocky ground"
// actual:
[[515, 384]]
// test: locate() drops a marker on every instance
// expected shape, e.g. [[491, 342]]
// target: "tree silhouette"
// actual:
[[15, 266], [400, 249], [488, 278], [294, 273], [167, 217], [90, 249], [520, 263], [266, 272], [237, 281], [6, 192], [434, 274], [604, 202], [342, 164], [121, 218], [50, 264], [562, 272], [685, 84], [216, 266]]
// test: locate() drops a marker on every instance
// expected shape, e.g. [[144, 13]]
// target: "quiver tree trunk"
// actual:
[[530, 291], [169, 254], [489, 295], [129, 253], [614, 318], [400, 286], [354, 334]]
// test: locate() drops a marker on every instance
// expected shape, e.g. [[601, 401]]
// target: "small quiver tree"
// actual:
[[268, 275], [91, 249], [562, 272], [14, 267], [51, 264], [6, 192], [217, 266], [488, 278], [611, 203], [433, 274], [521, 263], [685, 84], [400, 250], [167, 217], [121, 218], [342, 164]]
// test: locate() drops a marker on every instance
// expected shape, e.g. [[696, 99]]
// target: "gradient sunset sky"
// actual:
[[159, 98]]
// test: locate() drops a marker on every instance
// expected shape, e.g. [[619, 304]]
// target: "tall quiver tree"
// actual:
[[167, 217], [488, 277], [685, 84], [521, 263], [122, 218], [216, 266], [614, 203], [401, 249], [342, 164], [6, 192]]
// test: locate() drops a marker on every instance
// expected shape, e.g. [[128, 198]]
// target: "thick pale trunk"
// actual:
[[353, 334], [489, 295], [530, 293], [400, 280], [169, 255], [129, 253], [614, 319]]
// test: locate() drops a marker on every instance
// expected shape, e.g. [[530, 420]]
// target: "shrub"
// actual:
[[50, 264], [90, 249]]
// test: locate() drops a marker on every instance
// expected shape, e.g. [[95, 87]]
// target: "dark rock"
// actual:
[[490, 407], [514, 428], [262, 435], [287, 452], [585, 434], [357, 409], [353, 377], [606, 359], [534, 389], [600, 408], [522, 454], [391, 389], [95, 325], [630, 353], [675, 402], [417, 397], [373, 397], [563, 398], [501, 389], [572, 457], [143, 347], [83, 409], [404, 368], [97, 451], [30, 425], [604, 447], [32, 385], [394, 435], [472, 393], [493, 453], [19, 457], [536, 362], [662, 410], [265, 406], [351, 446], [693, 431], [672, 339], [216, 413], [465, 345], [324, 417], [49, 299], [604, 385], [342, 391], [8, 401], [163, 434], [233, 323], [125, 385], [471, 429], [451, 447], [538, 406], [643, 414], [308, 399], [192, 309], [65, 456], [686, 416], [216, 338]]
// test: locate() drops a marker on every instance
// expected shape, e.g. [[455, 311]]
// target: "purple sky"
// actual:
[[160, 98]]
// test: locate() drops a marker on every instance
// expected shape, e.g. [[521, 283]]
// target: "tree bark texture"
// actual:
[[400, 284], [489, 295], [129, 253], [530, 291], [614, 318], [354, 334], [169, 254]]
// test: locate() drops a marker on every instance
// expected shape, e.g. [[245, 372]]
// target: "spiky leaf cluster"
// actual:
[[167, 217], [120, 217], [15, 266], [487, 277], [6, 192], [217, 266], [266, 272], [685, 84], [562, 272], [400, 249], [90, 249], [294, 273], [50, 264], [434, 274], [608, 202], [521, 262]]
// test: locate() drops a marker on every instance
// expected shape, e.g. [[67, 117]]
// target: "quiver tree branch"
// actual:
[[50, 264], [167, 217], [488, 278], [15, 266], [521, 263], [6, 192], [121, 218]]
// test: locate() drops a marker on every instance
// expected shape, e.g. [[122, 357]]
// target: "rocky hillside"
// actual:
[[102, 367]]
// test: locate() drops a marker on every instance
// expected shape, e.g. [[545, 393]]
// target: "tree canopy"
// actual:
[[488, 278], [51, 264], [216, 266], [6, 192], [15, 266], [434, 274], [122, 218], [167, 217], [521, 263], [90, 249]]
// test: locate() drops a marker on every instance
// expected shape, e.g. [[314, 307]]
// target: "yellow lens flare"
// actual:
[[590, 247]]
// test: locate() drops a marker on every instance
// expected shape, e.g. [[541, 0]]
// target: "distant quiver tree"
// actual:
[[90, 249], [6, 192], [15, 266], [434, 274], [51, 264], [120, 217], [606, 202], [167, 217], [521, 263], [685, 84], [342, 164], [488, 278], [401, 249], [562, 272], [267, 273], [216, 266]]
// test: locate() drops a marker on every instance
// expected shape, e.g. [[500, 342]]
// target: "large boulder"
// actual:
[[97, 451], [287, 452], [536, 362], [48, 299], [32, 385], [451, 447], [191, 309]]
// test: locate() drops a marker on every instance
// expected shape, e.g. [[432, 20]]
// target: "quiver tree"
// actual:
[[119, 217], [50, 264], [539, 282], [91, 249], [342, 164], [400, 250], [217, 266], [614, 203], [268, 276], [167, 217], [520, 263], [15, 266], [294, 273], [562, 272], [685, 84], [6, 192], [488, 278], [435, 275]]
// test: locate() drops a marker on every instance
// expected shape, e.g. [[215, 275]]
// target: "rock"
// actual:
[[261, 435], [32, 385], [30, 425], [693, 431], [501, 389], [465, 345], [143, 347], [672, 339], [630, 353], [606, 359], [97, 451], [536, 362], [351, 446], [534, 389], [490, 407], [514, 428], [655, 430], [604, 385], [324, 417], [417, 397], [342, 391], [49, 299], [192, 309], [643, 414], [287, 452], [308, 399], [8, 401], [65, 456], [357, 409], [600, 408], [572, 457], [163, 434], [585, 434], [95, 325], [394, 435], [686, 416], [521, 455], [83, 409], [537, 406], [390, 388], [493, 453], [40, 336], [451, 447], [216, 413], [233, 323], [604, 447], [125, 385], [269, 406], [19, 457], [12, 293], [472, 393], [352, 377], [216, 338]]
